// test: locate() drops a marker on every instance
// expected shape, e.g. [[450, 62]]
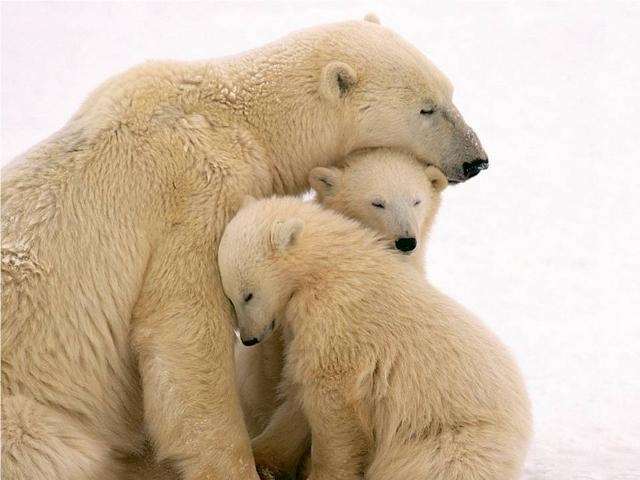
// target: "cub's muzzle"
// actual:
[[406, 244]]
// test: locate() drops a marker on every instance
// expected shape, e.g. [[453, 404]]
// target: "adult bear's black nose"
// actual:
[[251, 341], [406, 244], [471, 169]]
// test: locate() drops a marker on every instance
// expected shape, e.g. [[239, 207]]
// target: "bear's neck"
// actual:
[[273, 94], [339, 255]]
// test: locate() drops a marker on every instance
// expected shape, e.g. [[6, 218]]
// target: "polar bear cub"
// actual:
[[395, 379], [386, 190]]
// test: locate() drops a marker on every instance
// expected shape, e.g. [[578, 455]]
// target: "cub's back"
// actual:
[[418, 359], [436, 364]]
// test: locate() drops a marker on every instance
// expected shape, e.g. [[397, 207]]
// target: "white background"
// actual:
[[544, 245]]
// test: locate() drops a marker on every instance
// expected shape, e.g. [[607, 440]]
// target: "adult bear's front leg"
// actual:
[[184, 339]]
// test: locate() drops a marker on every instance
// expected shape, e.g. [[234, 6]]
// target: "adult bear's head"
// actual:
[[387, 94]]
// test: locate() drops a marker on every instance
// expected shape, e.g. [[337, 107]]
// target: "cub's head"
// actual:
[[388, 94], [388, 191], [252, 258]]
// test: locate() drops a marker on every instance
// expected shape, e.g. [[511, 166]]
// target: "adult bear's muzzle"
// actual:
[[464, 158], [473, 168]]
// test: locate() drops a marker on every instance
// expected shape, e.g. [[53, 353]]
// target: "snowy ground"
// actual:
[[545, 245]]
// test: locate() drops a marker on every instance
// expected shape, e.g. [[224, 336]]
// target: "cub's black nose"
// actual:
[[405, 244], [251, 341], [471, 169]]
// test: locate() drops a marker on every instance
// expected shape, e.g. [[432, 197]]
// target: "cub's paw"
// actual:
[[268, 473]]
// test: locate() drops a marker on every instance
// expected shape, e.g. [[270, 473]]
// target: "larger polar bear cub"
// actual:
[[393, 377], [115, 325]]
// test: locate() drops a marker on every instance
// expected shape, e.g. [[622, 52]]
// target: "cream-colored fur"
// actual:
[[115, 327], [410, 194], [395, 379], [390, 192]]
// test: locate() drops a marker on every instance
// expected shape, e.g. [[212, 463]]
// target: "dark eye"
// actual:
[[248, 297], [417, 202], [378, 204], [427, 111]]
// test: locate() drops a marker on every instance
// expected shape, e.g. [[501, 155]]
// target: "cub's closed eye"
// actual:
[[248, 297], [417, 202], [378, 204], [427, 111]]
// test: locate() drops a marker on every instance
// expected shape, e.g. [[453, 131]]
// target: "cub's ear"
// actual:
[[286, 233], [325, 181], [372, 18], [438, 179], [336, 79]]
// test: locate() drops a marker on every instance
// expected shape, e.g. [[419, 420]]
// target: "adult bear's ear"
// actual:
[[372, 18], [286, 233], [437, 178], [336, 79], [325, 181]]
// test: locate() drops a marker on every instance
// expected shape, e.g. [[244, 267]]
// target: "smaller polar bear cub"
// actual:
[[393, 378], [392, 193]]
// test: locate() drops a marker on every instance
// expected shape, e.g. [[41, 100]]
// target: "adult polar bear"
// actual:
[[116, 331]]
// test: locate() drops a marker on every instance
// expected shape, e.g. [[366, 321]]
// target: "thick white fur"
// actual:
[[115, 325], [394, 378], [386, 175]]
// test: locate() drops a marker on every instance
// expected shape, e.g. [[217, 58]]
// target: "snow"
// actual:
[[544, 246]]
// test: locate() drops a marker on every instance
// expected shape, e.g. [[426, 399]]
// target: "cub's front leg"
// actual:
[[259, 373], [338, 447], [184, 340], [284, 441]]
